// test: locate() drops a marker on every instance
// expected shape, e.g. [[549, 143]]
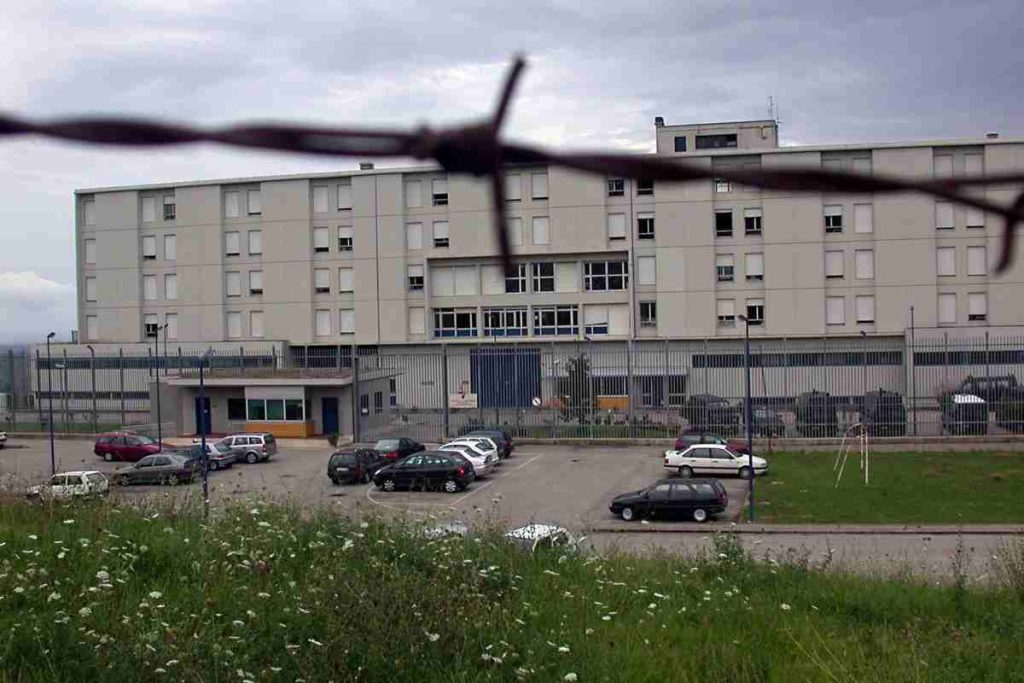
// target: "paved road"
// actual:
[[569, 485]]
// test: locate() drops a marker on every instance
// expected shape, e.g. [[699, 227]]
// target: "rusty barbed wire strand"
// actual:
[[476, 149]]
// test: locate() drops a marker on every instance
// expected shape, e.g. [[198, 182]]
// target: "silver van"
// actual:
[[251, 448]]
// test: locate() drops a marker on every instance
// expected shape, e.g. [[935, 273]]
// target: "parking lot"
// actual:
[[568, 485]]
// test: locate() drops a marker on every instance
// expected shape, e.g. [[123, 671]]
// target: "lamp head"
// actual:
[[51, 336]]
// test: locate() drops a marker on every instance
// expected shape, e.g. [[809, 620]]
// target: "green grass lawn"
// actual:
[[911, 488], [264, 593]]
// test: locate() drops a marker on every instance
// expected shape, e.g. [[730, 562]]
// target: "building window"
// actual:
[[321, 240], [945, 261], [466, 280], [413, 236], [595, 320], [255, 204], [680, 143], [943, 166], [232, 207], [645, 187], [255, 242], [724, 266], [233, 284], [646, 270], [513, 187], [148, 209], [833, 264], [616, 187], [236, 410], [256, 409], [232, 244], [344, 196], [234, 325], [515, 231], [417, 321], [413, 194], [171, 287], [322, 321], [345, 238], [439, 192], [89, 211], [347, 321], [835, 310], [977, 261], [321, 280], [150, 326], [90, 289], [865, 264], [442, 236], [616, 226], [723, 223], [721, 185], [754, 266], [555, 320], [645, 226], [833, 218], [320, 199], [977, 307], [442, 281], [90, 252], [726, 309], [601, 276], [505, 322], [755, 311], [863, 218], [92, 326], [649, 313], [346, 280], [149, 287], [539, 185], [515, 280], [378, 402], [947, 309], [865, 309], [169, 207], [170, 248], [255, 323], [543, 277], [415, 275], [541, 230], [975, 217], [149, 248], [944, 215], [722, 141], [454, 322], [752, 221]]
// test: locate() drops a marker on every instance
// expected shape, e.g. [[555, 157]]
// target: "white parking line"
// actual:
[[491, 481]]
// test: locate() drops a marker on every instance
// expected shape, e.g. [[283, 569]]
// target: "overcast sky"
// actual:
[[599, 72]]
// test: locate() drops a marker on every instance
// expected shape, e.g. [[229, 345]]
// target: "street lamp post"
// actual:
[[864, 360], [202, 434], [747, 413], [49, 391], [156, 362]]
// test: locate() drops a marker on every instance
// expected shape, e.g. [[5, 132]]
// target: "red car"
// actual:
[[126, 446], [693, 437]]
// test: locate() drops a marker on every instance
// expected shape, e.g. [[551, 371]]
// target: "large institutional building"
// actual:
[[403, 261]]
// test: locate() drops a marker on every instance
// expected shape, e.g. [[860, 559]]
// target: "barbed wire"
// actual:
[[476, 149]]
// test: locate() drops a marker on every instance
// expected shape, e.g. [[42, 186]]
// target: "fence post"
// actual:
[[64, 389], [629, 388], [554, 393], [273, 357], [241, 360], [95, 419], [39, 390], [664, 385], [120, 379], [14, 390], [357, 405], [444, 392]]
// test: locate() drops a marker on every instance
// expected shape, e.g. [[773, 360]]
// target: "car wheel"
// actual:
[[123, 480], [700, 515], [451, 486], [213, 466], [685, 472], [171, 480], [628, 514], [108, 456], [744, 473], [389, 485], [252, 458]]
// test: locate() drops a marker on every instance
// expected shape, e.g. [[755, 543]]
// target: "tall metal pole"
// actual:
[[202, 435], [156, 362], [864, 360], [49, 391], [64, 390], [444, 392], [120, 380], [92, 383], [913, 368], [39, 388], [746, 412]]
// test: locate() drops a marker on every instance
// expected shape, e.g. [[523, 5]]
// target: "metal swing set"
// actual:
[[855, 434]]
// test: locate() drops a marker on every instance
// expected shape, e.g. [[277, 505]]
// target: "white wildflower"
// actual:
[[315, 642], [570, 677], [155, 595], [102, 576], [84, 612], [53, 596], [69, 521], [33, 537], [563, 649], [785, 607], [433, 637]]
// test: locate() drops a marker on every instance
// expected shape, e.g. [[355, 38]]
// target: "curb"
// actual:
[[817, 529]]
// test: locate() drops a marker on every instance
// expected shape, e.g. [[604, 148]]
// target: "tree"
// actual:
[[576, 387]]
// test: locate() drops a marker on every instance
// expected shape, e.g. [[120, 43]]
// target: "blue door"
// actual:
[[203, 415], [329, 408]]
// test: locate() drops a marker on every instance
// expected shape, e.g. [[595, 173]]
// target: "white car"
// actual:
[[481, 443], [534, 536], [3, 439], [483, 463], [69, 485], [713, 459]]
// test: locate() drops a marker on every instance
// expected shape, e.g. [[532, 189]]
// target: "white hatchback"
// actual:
[[483, 462], [712, 459], [481, 443], [70, 485]]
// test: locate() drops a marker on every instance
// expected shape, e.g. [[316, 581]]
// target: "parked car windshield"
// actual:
[[343, 459], [388, 445], [145, 440]]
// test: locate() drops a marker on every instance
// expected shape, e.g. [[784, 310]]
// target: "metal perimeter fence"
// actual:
[[641, 389]]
